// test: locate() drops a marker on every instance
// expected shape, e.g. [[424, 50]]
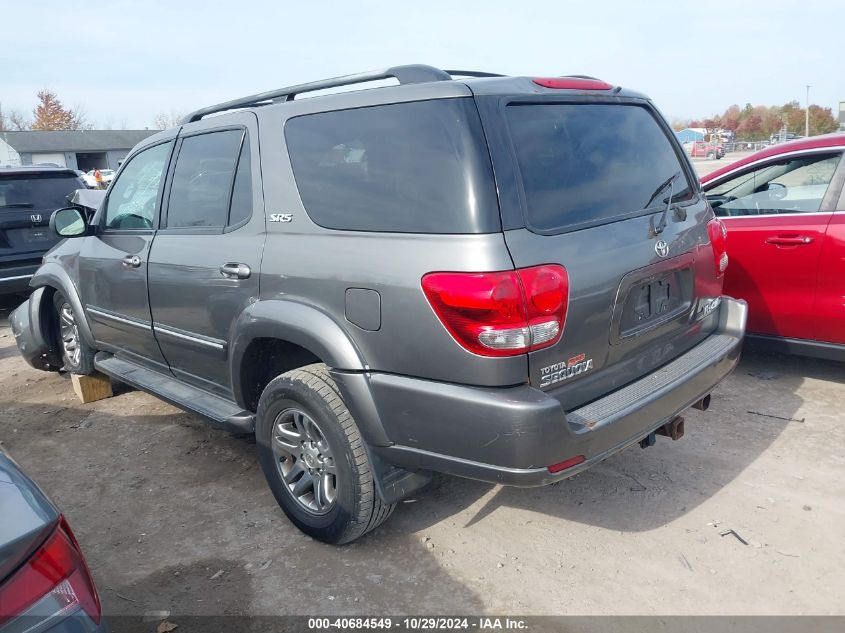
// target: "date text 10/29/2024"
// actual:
[[418, 624]]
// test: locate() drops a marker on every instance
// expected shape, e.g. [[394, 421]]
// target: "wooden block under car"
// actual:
[[91, 388]]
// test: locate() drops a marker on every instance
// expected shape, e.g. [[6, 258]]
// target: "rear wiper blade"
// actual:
[[17, 205], [669, 182]]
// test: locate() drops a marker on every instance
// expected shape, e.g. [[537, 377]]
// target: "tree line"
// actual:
[[48, 114], [51, 114], [754, 123]]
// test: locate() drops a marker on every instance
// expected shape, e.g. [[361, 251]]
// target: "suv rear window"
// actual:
[[419, 167], [584, 164], [37, 191]]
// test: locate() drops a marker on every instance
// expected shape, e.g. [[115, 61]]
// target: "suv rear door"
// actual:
[[205, 262], [587, 183]]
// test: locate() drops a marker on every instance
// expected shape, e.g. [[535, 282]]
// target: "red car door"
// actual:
[[776, 213]]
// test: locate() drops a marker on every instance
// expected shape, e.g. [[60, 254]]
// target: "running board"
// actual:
[[219, 411]]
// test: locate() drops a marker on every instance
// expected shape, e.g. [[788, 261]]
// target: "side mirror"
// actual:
[[68, 222], [776, 190]]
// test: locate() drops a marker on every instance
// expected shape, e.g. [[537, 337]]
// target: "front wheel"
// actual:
[[314, 458], [77, 356]]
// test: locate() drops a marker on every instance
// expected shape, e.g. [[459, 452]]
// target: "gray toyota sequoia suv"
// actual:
[[502, 278]]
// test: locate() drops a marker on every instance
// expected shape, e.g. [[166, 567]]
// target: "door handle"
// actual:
[[790, 240], [132, 261], [235, 271]]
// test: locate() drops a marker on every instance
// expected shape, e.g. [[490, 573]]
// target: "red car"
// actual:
[[702, 149], [784, 210]]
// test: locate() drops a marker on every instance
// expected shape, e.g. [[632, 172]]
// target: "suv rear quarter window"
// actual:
[[419, 167], [587, 163]]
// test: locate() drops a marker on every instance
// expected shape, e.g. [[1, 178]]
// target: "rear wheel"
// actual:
[[314, 459], [77, 356]]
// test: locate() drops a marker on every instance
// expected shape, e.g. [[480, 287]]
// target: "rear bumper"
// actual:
[[511, 436]]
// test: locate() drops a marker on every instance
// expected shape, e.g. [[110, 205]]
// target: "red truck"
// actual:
[[703, 149]]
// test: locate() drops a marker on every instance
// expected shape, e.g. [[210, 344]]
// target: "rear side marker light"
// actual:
[[572, 83], [569, 463], [56, 570], [501, 313], [718, 233]]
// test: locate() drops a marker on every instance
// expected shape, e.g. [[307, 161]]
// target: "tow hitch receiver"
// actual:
[[673, 429]]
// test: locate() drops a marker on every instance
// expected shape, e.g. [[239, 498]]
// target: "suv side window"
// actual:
[[795, 185], [133, 198], [419, 167], [202, 180]]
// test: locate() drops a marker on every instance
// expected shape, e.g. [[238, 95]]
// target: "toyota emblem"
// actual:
[[661, 248]]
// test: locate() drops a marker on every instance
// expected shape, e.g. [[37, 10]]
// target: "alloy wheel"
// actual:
[[70, 335], [304, 461]]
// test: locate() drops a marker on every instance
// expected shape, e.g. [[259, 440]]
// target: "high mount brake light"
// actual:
[[57, 570], [718, 233], [572, 83], [502, 313]]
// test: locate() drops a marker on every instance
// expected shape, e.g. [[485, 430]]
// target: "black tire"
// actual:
[[76, 363], [356, 507]]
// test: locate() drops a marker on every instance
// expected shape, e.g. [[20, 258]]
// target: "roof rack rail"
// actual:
[[472, 73], [409, 74]]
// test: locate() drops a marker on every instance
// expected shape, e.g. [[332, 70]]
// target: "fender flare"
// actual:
[[294, 322], [53, 275], [312, 329], [298, 323]]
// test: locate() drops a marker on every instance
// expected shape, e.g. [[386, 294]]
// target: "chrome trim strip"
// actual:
[[213, 344], [2, 279], [109, 316], [775, 215]]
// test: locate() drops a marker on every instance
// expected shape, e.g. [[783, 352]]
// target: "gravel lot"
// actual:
[[175, 516]]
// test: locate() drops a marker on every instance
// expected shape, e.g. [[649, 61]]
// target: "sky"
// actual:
[[124, 62]]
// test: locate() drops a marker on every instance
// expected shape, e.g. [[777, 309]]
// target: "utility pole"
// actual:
[[807, 113]]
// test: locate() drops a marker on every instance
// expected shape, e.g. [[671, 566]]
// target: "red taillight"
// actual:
[[56, 569], [569, 463], [502, 313], [718, 233], [572, 83]]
